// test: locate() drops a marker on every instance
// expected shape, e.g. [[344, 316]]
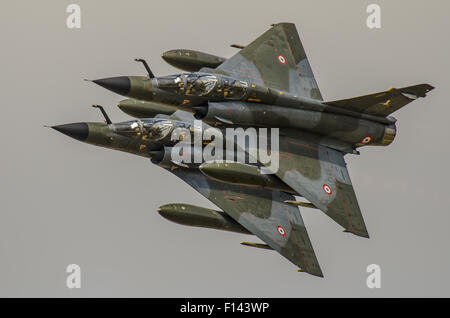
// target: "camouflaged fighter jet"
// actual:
[[268, 83]]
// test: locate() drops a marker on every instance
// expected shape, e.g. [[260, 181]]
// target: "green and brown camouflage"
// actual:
[[345, 133], [314, 171], [263, 212], [141, 88], [140, 109], [276, 59], [352, 131], [269, 84], [103, 135], [139, 137], [244, 174], [192, 215], [190, 60]]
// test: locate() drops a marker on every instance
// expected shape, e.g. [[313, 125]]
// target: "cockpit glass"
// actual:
[[206, 85], [159, 130], [200, 85], [130, 127], [169, 82], [145, 129]]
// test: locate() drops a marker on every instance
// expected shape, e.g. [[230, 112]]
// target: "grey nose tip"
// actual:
[[79, 131], [120, 85]]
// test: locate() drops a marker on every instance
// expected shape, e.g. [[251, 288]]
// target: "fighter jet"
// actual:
[[266, 84]]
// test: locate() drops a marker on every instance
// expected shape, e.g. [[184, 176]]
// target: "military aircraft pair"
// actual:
[[268, 83]]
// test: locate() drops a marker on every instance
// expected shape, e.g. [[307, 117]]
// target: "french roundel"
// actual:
[[366, 140], [281, 59], [327, 189], [281, 231]]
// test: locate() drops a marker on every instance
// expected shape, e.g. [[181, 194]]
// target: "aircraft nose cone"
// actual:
[[120, 85], [79, 131]]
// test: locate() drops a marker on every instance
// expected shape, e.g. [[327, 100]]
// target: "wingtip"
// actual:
[[430, 87], [361, 234], [317, 274], [423, 89]]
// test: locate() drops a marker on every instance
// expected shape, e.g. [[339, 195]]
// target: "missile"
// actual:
[[192, 215], [190, 60], [244, 174], [141, 109]]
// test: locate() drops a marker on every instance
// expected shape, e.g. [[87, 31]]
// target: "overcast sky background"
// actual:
[[63, 202]]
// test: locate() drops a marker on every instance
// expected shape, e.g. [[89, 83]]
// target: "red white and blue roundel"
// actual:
[[281, 231], [327, 189], [281, 59], [366, 140]]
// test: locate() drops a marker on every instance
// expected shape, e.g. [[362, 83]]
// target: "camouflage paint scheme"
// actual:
[[192, 215], [261, 212], [276, 88], [141, 109], [190, 60], [320, 175], [259, 62]]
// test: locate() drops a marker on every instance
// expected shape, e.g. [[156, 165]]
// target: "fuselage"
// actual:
[[221, 100]]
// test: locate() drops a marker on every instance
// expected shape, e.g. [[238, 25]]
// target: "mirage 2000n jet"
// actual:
[[268, 83]]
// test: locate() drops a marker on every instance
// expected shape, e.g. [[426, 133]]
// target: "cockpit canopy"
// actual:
[[159, 130], [152, 129], [204, 85]]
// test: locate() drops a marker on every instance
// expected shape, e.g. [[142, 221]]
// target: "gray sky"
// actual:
[[66, 202]]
